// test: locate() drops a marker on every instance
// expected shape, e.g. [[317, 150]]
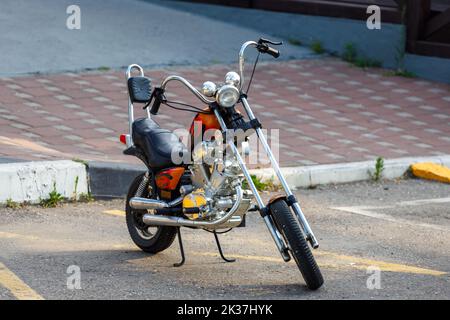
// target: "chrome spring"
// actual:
[[142, 185]]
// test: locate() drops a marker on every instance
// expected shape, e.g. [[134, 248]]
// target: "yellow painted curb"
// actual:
[[431, 171]]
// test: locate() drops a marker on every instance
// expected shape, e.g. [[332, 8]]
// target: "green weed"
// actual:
[[53, 200]]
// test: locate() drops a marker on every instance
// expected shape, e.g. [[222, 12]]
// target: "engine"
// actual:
[[214, 179]]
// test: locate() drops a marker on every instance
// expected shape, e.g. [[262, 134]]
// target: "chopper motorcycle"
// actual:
[[212, 195]]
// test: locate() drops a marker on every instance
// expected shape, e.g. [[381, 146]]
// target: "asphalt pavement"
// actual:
[[397, 232], [116, 33]]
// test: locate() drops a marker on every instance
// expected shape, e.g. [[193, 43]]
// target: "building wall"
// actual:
[[385, 45]]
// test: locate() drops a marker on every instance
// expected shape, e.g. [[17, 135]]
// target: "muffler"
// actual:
[[148, 204], [139, 203], [160, 220]]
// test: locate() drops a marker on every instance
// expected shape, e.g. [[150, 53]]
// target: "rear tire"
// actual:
[[299, 248], [156, 241]]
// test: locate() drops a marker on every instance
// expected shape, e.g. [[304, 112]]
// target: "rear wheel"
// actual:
[[149, 239], [293, 234]]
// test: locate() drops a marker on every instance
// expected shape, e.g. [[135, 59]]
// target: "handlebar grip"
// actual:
[[155, 107], [158, 94], [273, 52]]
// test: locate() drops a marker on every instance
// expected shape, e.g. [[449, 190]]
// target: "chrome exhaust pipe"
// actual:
[[147, 204], [139, 203], [160, 220]]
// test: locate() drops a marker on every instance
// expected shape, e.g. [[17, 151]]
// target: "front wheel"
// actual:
[[292, 233]]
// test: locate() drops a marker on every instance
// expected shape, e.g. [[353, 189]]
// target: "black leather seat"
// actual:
[[158, 144]]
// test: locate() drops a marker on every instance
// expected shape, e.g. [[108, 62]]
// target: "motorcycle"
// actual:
[[211, 195]]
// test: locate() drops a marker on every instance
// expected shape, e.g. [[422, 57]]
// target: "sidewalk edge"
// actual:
[[33, 181], [307, 176]]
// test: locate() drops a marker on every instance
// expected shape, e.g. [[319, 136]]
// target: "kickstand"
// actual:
[[220, 249], [180, 241]]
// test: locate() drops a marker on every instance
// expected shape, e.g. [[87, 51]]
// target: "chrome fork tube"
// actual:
[[296, 207], [267, 219]]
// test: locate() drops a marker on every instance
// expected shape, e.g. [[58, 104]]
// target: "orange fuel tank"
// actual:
[[208, 120]]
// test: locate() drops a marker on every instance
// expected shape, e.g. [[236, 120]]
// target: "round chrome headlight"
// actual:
[[209, 89], [232, 78], [227, 96]]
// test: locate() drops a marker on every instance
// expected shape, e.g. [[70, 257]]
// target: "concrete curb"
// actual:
[[111, 180], [301, 177], [33, 181]]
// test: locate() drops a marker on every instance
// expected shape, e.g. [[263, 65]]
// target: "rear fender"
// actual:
[[138, 153]]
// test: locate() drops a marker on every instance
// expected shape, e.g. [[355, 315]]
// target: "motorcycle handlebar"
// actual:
[[262, 47], [158, 94], [273, 52], [269, 50], [155, 107]]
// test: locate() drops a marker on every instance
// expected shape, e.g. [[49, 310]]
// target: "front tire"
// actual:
[[290, 229], [148, 239]]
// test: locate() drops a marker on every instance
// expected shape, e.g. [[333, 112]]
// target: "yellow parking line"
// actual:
[[17, 287], [363, 263], [10, 235], [113, 212], [343, 261], [238, 256]]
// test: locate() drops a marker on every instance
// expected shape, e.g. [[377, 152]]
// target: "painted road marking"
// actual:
[[369, 211], [424, 201], [363, 263], [326, 260], [336, 260], [17, 287], [119, 213], [10, 235]]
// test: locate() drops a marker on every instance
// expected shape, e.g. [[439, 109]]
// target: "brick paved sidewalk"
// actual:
[[326, 110]]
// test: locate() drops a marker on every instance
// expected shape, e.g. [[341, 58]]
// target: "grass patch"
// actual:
[[350, 54], [75, 194], [103, 68], [378, 170], [215, 61], [11, 204], [260, 185], [317, 47], [401, 73], [367, 63], [53, 200], [86, 197], [294, 42], [84, 162]]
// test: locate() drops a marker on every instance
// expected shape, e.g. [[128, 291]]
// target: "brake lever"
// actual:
[[265, 41]]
